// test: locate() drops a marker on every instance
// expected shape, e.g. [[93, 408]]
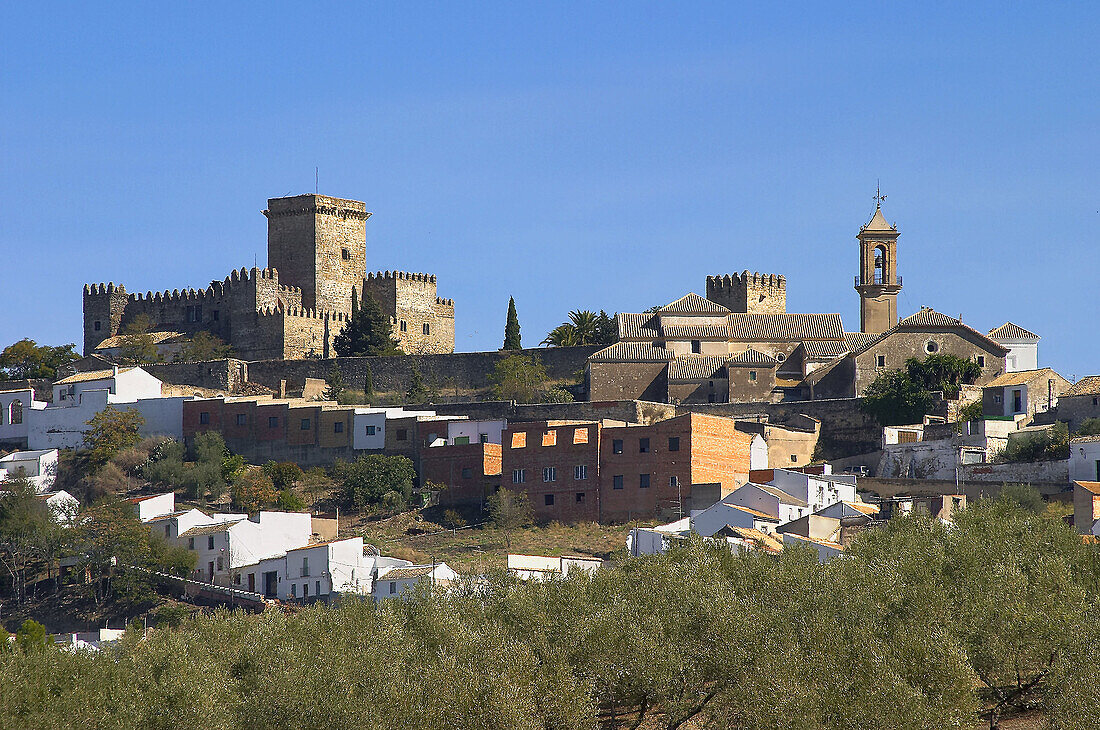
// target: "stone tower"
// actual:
[[749, 293], [878, 282], [319, 244]]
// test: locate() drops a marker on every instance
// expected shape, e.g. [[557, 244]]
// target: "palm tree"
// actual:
[[581, 329]]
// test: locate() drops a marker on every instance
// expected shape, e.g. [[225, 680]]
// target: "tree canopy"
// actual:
[[895, 399], [27, 360], [367, 481], [584, 327], [110, 431], [368, 332], [511, 328], [519, 377]]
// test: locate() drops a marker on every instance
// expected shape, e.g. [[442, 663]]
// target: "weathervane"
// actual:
[[879, 197]]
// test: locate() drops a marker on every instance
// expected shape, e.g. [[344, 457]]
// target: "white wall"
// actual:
[[473, 430], [63, 427], [1083, 458], [39, 467], [1022, 355], [154, 505], [816, 491], [16, 431], [758, 453]]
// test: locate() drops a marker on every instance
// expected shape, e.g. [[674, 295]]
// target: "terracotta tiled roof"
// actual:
[[209, 529], [824, 349], [753, 512], [1084, 439], [856, 340], [867, 509], [632, 352], [718, 331], [751, 357], [1093, 487], [696, 367], [320, 544], [1020, 377], [1085, 386], [1009, 331], [637, 326], [90, 376], [693, 303], [781, 495], [785, 327], [407, 573]]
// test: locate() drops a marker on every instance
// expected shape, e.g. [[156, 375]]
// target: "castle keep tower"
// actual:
[[749, 293], [878, 282], [318, 243]]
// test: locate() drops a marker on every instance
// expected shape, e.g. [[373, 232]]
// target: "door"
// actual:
[[251, 582], [210, 570], [271, 583]]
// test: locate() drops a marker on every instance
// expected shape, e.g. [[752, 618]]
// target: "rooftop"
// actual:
[[1089, 385], [1093, 487], [1009, 331], [91, 375], [209, 529], [1020, 377], [416, 571]]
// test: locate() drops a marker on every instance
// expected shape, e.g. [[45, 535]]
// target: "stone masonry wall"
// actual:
[[750, 293], [411, 301]]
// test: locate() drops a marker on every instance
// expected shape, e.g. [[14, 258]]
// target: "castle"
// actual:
[[316, 255]]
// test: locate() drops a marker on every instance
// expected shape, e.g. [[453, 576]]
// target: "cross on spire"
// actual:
[[879, 197]]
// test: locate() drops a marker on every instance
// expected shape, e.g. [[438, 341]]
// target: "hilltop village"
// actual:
[[213, 413]]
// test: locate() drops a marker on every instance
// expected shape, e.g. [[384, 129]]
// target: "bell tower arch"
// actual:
[[878, 282]]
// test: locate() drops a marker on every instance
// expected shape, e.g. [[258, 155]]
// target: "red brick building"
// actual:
[[557, 464], [471, 472]]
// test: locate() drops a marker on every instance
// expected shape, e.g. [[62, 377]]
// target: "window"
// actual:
[[194, 313], [550, 474], [15, 412], [519, 439], [427, 328], [467, 472], [617, 446], [997, 398], [580, 436], [393, 587], [881, 361], [242, 419], [190, 543], [673, 482], [338, 427], [345, 254], [317, 587], [673, 443], [305, 590], [210, 543], [780, 357], [981, 361], [293, 590], [1096, 401], [794, 458], [643, 481], [550, 438], [237, 579], [548, 500], [519, 476], [97, 325], [371, 430], [931, 347], [617, 481], [204, 417], [402, 434], [643, 446], [404, 326], [696, 347], [580, 497], [752, 375], [483, 438], [272, 421], [580, 472], [221, 565], [305, 424], [1017, 401], [305, 566]]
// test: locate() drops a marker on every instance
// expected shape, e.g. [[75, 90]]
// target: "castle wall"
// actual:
[[422, 322], [103, 309], [749, 293]]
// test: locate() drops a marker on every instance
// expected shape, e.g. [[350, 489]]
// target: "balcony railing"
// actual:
[[876, 281]]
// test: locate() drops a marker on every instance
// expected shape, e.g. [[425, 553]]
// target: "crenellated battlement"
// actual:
[[410, 276], [749, 292], [302, 313], [445, 302], [91, 290], [746, 278]]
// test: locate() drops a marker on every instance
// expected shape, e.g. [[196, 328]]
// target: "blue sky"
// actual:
[[589, 155]]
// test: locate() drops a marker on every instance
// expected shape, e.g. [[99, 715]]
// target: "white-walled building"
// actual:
[[473, 432], [769, 500], [222, 548], [816, 491], [825, 548], [541, 568], [62, 505], [153, 505], [1023, 347], [325, 568], [1084, 459], [14, 407], [38, 467], [369, 425], [394, 582]]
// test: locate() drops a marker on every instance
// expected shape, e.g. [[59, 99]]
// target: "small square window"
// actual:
[[272, 421], [97, 325], [483, 438], [305, 424], [643, 446], [580, 497], [881, 361], [402, 434], [338, 427], [519, 476], [794, 458], [617, 481], [242, 419], [752, 375], [580, 472], [204, 417], [617, 446], [345, 254], [981, 361], [371, 430], [643, 481], [673, 443], [548, 500], [467, 472], [427, 328], [696, 347]]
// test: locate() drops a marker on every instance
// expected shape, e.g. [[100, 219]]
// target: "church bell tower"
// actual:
[[878, 282]]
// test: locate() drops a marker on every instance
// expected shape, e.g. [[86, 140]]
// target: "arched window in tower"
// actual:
[[880, 264], [15, 412]]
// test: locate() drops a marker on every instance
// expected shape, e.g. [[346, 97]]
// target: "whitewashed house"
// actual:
[[473, 432], [769, 500], [224, 547], [825, 548], [1084, 459], [38, 467], [393, 582], [541, 568], [369, 425], [153, 505], [62, 506], [171, 525], [324, 569], [816, 491], [1023, 347], [14, 407]]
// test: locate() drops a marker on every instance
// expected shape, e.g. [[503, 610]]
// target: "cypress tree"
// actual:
[[368, 332], [511, 328]]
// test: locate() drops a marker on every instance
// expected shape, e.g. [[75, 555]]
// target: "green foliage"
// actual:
[[606, 331], [519, 377], [557, 394], [1025, 496], [453, 519], [251, 490], [1089, 427], [921, 626], [894, 399], [138, 346], [365, 481], [943, 372], [368, 332], [334, 384], [283, 474], [28, 534], [110, 431], [32, 637], [204, 346], [583, 328], [972, 411], [1051, 444], [290, 502], [27, 360], [417, 392], [509, 511], [511, 328]]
